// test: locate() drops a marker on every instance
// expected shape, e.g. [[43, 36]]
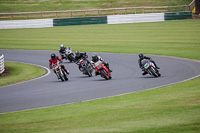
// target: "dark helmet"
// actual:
[[141, 56], [53, 56], [77, 53], [95, 58]]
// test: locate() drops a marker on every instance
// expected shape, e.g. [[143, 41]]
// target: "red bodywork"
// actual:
[[99, 65]]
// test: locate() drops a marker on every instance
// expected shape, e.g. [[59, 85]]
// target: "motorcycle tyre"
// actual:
[[158, 73], [65, 76], [104, 74], [60, 75], [153, 71], [71, 58]]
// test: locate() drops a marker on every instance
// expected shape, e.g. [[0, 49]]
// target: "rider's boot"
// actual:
[[144, 73], [96, 73], [107, 65], [155, 65]]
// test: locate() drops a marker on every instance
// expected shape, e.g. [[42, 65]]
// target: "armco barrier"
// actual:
[[178, 15], [80, 21], [1, 63]]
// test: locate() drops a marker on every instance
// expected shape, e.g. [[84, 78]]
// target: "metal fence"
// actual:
[[1, 63], [95, 12]]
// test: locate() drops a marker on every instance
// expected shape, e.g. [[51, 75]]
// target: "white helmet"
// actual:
[[61, 46]]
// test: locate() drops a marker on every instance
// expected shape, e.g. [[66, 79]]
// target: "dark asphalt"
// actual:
[[127, 78]]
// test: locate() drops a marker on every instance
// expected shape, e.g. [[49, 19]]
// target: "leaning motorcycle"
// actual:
[[69, 54], [61, 74], [85, 67], [102, 70], [150, 68]]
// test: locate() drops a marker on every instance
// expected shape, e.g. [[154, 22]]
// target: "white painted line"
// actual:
[[48, 72]]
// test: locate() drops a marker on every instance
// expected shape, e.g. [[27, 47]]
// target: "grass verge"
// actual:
[[173, 109], [18, 72], [57, 5]]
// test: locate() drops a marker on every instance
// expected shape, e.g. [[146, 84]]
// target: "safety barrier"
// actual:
[[178, 15], [93, 12], [80, 21], [1, 63]]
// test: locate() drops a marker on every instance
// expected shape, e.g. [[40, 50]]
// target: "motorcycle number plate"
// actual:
[[98, 66], [146, 65]]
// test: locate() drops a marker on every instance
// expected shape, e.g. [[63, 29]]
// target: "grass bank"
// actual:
[[18, 72], [173, 109], [58, 5]]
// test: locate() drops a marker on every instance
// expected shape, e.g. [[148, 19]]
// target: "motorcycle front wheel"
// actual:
[[104, 74], [61, 76], [153, 71]]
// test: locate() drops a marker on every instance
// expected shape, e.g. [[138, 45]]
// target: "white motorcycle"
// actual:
[[68, 55]]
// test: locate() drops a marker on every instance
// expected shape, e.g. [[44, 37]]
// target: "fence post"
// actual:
[[1, 63]]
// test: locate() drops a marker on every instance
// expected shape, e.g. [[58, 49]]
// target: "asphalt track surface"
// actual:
[[49, 91]]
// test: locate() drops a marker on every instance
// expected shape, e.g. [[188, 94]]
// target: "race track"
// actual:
[[127, 78]]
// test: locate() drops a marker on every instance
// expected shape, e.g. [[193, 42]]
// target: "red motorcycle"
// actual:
[[102, 70]]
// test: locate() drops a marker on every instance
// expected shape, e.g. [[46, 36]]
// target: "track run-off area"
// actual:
[[126, 78]]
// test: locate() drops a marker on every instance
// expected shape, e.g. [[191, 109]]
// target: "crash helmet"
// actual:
[[53, 56], [94, 58], [62, 46], [77, 53], [141, 56]]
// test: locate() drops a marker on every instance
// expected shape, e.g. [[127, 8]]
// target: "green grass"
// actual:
[[18, 72], [171, 38], [171, 109], [57, 5]]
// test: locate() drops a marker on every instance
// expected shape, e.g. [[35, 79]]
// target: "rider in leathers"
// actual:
[[96, 58], [80, 56], [142, 57], [62, 51], [54, 60]]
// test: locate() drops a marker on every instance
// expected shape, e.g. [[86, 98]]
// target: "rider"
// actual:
[[54, 60], [79, 56], [142, 57], [62, 51], [96, 58]]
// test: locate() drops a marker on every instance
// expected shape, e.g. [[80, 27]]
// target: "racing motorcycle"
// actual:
[[150, 68], [61, 74], [68, 55], [85, 67], [102, 70]]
